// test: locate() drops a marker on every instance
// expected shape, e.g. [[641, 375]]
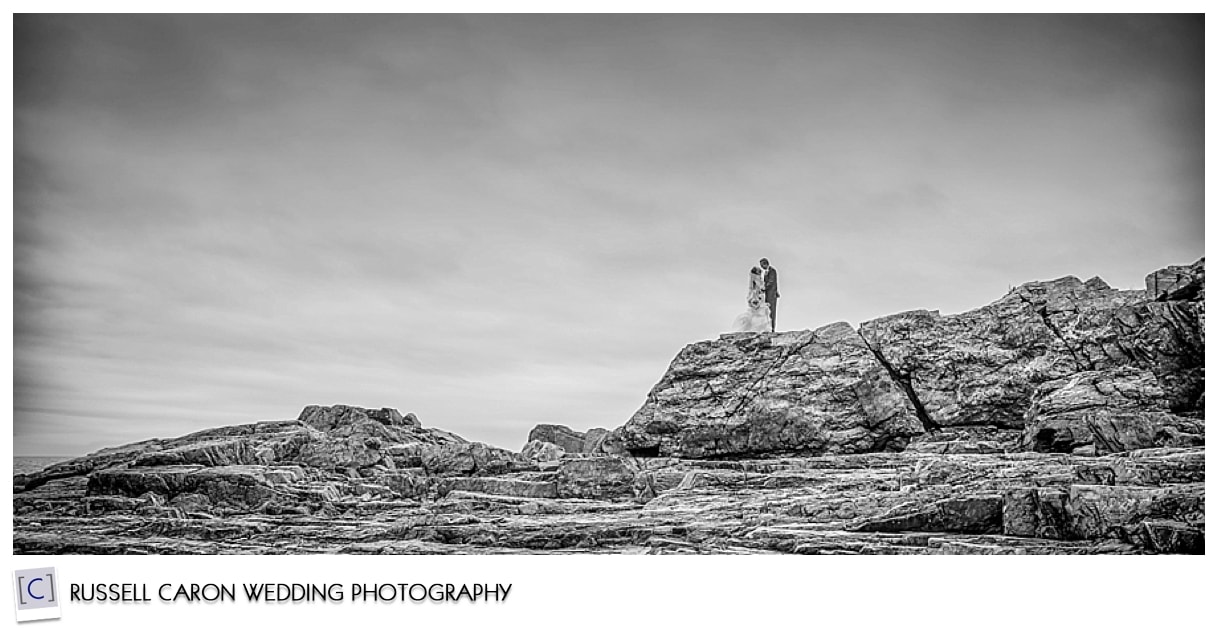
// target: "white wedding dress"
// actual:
[[757, 319]]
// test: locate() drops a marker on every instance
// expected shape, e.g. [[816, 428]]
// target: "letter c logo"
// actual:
[[30, 591]]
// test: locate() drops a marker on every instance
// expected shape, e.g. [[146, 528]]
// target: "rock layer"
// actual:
[[1148, 501]]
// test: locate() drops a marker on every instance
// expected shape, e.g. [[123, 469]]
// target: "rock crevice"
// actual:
[[903, 382]]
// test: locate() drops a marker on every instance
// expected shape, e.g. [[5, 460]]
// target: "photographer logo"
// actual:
[[36, 594]]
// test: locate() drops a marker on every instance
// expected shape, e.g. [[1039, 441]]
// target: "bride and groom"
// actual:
[[763, 300]]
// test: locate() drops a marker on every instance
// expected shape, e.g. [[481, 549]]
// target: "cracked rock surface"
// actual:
[[1146, 501]]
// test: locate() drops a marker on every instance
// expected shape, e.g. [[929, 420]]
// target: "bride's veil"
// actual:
[[755, 287]]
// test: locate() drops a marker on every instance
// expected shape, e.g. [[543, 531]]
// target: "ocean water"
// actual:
[[29, 464]]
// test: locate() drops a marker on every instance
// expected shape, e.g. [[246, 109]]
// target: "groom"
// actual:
[[771, 291]]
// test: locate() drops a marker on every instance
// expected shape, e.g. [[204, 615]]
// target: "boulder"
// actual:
[[819, 391], [542, 451], [567, 439], [1107, 411], [601, 478], [596, 440], [470, 459]]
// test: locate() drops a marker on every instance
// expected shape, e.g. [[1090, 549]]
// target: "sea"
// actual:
[[30, 464]]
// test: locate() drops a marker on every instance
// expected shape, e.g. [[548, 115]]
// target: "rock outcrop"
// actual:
[[818, 392], [1064, 418], [1051, 366], [595, 441]]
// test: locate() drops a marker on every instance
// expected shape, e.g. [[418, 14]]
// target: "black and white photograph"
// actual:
[[621, 284]]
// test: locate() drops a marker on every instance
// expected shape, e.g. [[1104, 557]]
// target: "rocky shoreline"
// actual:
[[1066, 417]]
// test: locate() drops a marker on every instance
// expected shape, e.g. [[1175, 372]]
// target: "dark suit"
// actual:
[[771, 296]]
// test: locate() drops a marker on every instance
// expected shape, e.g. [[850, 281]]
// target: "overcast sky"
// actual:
[[498, 222]]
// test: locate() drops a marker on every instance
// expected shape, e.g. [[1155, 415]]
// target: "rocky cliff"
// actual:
[[1066, 417], [1052, 366]]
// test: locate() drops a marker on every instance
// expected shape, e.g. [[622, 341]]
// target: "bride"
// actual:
[[757, 319]]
